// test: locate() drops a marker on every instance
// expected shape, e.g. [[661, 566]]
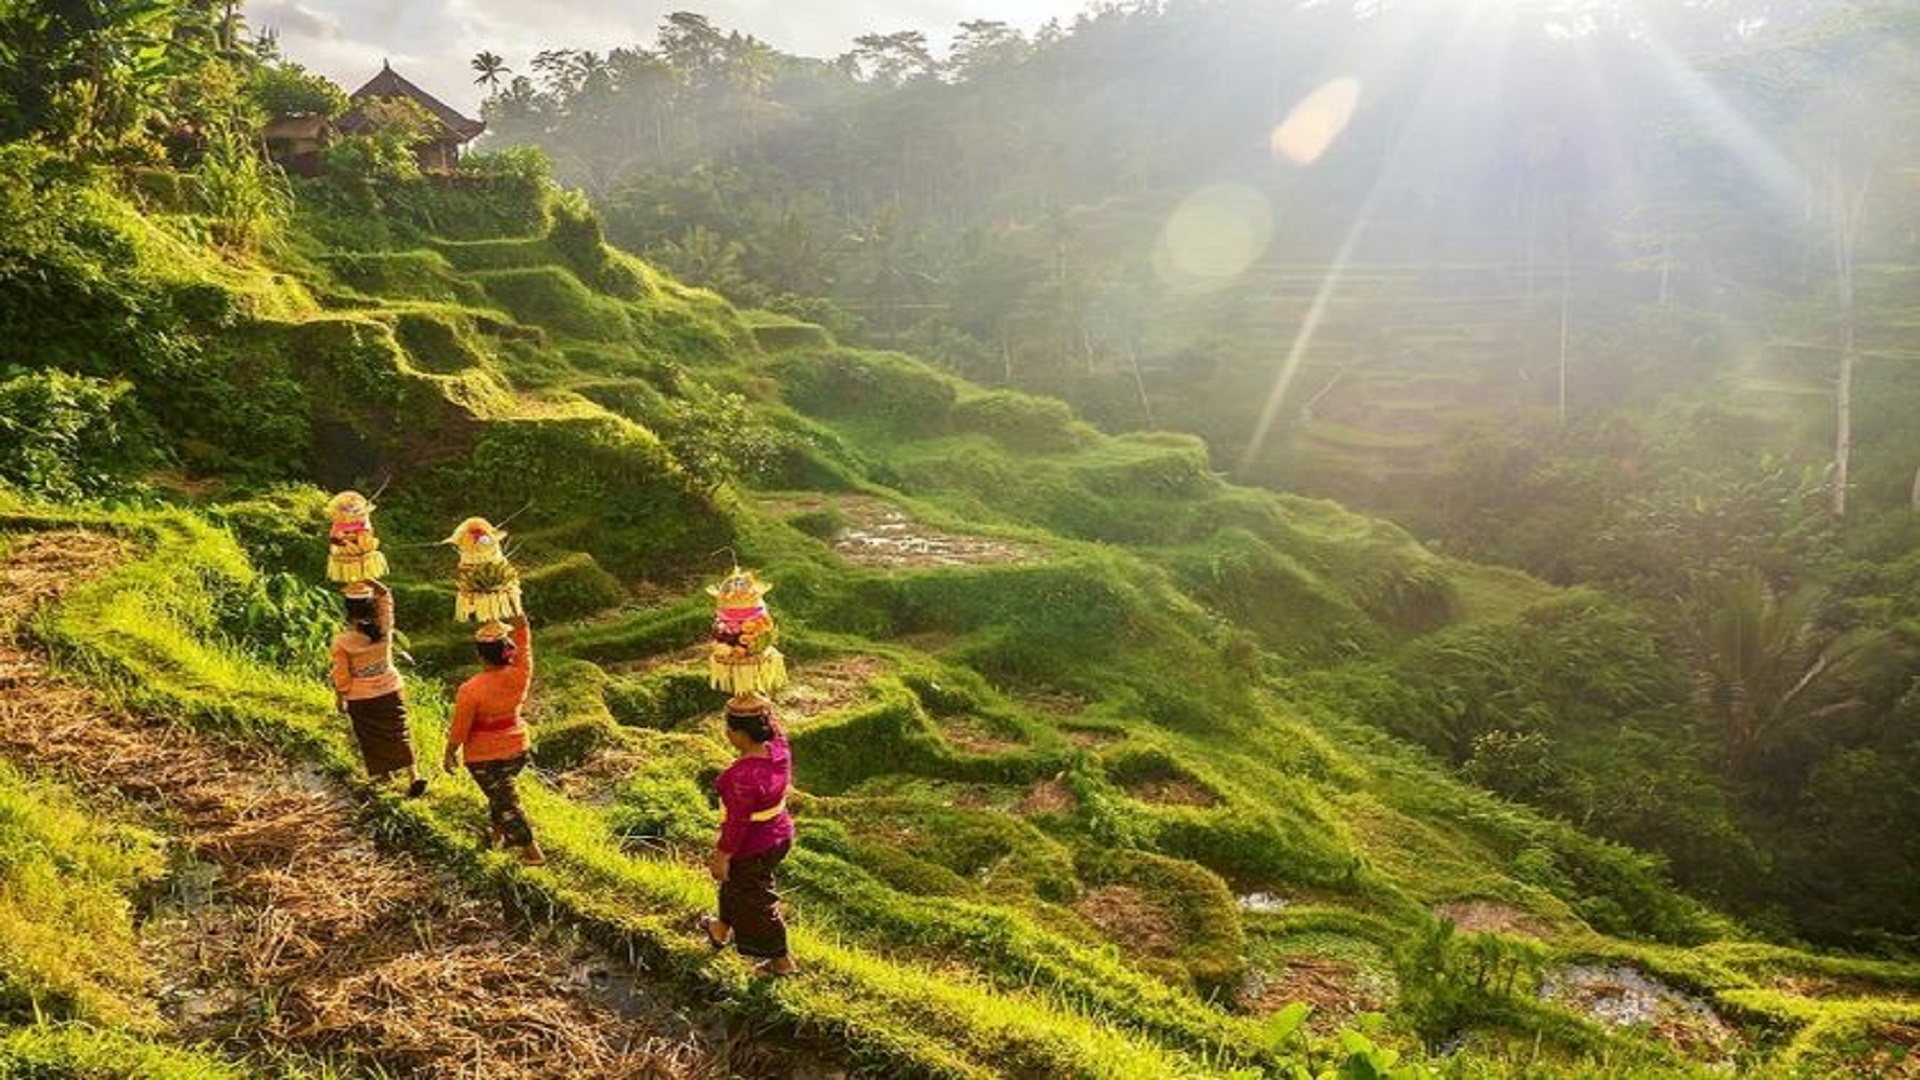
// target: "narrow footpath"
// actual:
[[286, 927]]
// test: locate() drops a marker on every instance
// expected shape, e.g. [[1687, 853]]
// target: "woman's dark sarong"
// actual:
[[749, 904], [503, 800], [380, 725]]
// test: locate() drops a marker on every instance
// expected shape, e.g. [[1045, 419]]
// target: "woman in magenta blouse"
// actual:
[[755, 835]]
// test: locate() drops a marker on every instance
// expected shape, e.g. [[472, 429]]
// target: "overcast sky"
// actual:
[[432, 41]]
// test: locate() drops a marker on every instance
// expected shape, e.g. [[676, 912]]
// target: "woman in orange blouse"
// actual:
[[366, 685], [489, 731]]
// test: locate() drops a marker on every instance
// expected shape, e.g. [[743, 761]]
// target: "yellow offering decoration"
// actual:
[[743, 659], [486, 586], [353, 552]]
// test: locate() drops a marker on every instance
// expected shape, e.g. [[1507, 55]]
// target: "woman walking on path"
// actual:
[[755, 835], [488, 729], [366, 685]]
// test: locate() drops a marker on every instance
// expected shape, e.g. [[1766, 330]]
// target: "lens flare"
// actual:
[[1213, 236], [1316, 122]]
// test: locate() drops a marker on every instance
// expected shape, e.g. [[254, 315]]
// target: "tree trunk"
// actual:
[[1146, 404], [1566, 302], [1846, 230]]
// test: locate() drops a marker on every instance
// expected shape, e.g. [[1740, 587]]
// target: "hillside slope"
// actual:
[[1073, 801]]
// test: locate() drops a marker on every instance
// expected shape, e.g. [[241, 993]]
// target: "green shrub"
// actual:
[[247, 196], [663, 802], [574, 230], [72, 436], [1450, 982], [284, 620], [571, 588], [1021, 421], [718, 437], [904, 394], [494, 194], [642, 514], [662, 699]]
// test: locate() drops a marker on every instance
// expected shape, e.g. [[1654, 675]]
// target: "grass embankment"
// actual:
[[1041, 789], [76, 990], [145, 629]]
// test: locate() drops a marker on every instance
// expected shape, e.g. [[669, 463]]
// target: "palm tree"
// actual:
[[1762, 664], [491, 67]]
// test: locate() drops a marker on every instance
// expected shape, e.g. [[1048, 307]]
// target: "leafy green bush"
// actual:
[[905, 394], [574, 230], [246, 195], [643, 511], [287, 89], [1449, 982], [571, 588], [1020, 421], [718, 437], [1573, 663], [284, 620], [72, 436], [282, 528]]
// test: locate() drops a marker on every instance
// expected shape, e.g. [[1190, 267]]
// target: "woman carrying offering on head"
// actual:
[[366, 686], [755, 835], [488, 730]]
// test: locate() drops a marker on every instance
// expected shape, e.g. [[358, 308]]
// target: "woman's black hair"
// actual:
[[364, 616], [495, 652], [756, 725]]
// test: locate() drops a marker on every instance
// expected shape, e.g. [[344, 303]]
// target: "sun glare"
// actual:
[[1313, 125], [1213, 236]]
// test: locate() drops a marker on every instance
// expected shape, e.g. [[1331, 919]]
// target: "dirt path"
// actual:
[[874, 532], [286, 927]]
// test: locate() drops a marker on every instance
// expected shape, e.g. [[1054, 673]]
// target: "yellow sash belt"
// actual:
[[770, 812]]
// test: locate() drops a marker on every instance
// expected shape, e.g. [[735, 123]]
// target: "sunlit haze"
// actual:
[[431, 41]]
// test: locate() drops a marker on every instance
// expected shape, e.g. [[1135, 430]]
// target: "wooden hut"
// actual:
[[440, 151], [297, 142]]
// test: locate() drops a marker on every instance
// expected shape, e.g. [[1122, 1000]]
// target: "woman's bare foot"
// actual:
[[779, 965]]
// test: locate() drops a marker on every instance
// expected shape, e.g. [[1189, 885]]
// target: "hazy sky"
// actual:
[[431, 41]]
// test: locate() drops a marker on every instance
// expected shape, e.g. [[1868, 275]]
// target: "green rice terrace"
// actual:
[[1085, 782]]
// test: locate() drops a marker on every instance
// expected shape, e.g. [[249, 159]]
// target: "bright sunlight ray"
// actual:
[[1336, 270]]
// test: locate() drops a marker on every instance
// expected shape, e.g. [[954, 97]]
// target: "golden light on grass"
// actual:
[[1316, 121]]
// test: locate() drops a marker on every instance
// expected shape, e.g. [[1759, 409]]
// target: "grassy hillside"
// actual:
[[1086, 789]]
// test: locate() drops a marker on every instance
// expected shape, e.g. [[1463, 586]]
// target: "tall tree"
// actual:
[[490, 68]]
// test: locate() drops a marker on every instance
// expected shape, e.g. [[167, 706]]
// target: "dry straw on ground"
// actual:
[[287, 927]]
